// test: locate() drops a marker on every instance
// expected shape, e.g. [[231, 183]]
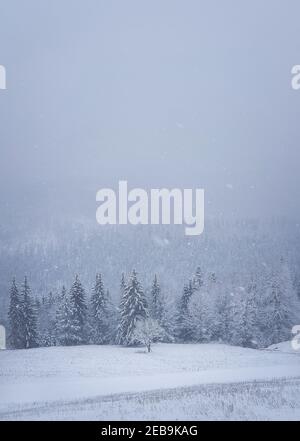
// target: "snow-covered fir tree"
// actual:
[[224, 308], [29, 318], [113, 316], [211, 308], [250, 318], [133, 308], [64, 322], [290, 295], [157, 304], [184, 325], [100, 314], [159, 311], [235, 312], [78, 309], [47, 319], [275, 311], [15, 318], [202, 317], [280, 306], [119, 333]]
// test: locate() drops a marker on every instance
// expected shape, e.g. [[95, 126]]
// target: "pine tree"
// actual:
[[225, 312], [29, 318], [78, 313], [202, 317], [120, 332], [250, 325], [15, 318], [290, 297], [47, 319], [235, 318], [159, 312], [63, 325], [122, 284], [280, 306], [276, 311], [112, 318], [100, 313], [133, 308], [157, 306], [184, 325]]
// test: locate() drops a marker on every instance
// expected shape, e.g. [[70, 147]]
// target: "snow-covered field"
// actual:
[[175, 381]]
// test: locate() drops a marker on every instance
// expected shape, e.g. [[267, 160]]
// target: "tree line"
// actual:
[[257, 315]]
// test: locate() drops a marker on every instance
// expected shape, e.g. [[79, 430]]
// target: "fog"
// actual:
[[160, 93]]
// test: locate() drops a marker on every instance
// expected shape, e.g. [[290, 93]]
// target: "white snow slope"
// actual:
[[75, 382]]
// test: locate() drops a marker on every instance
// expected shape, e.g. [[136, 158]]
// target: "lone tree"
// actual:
[[133, 307], [146, 332]]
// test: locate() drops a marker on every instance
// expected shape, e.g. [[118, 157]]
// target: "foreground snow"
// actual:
[[75, 382]]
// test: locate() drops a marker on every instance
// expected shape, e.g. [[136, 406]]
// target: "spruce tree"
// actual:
[[100, 314], [224, 315], [159, 312], [184, 331], [112, 317], [157, 306], [63, 325], [133, 308], [15, 318], [29, 318], [290, 299], [47, 319], [122, 284], [120, 332], [280, 306], [78, 313], [235, 318], [249, 329], [201, 320]]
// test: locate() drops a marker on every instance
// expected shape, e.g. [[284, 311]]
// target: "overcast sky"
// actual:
[[161, 92]]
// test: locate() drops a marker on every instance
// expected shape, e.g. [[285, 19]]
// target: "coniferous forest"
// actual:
[[258, 315]]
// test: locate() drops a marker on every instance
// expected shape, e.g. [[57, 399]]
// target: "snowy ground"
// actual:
[[173, 382]]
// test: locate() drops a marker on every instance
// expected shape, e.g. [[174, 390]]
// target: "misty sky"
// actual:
[[162, 93]]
